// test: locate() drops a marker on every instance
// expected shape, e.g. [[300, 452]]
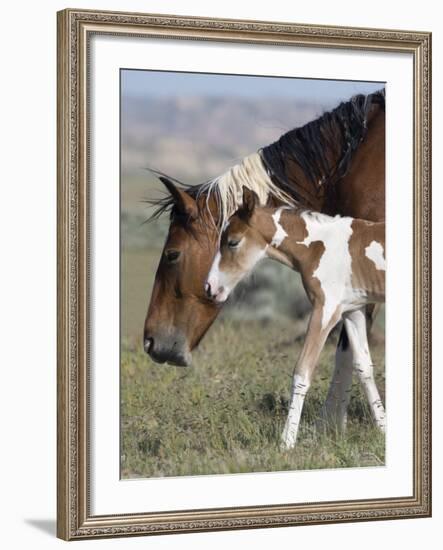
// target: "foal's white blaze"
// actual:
[[222, 282], [280, 234], [214, 271], [215, 279], [376, 253], [334, 270]]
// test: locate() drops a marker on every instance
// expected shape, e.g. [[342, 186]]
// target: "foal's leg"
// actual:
[[313, 344], [334, 412], [355, 323]]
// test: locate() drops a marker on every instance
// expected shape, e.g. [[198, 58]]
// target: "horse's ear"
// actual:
[[250, 201], [184, 203]]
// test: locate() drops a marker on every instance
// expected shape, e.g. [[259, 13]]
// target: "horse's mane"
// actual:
[[339, 131], [315, 146], [226, 190]]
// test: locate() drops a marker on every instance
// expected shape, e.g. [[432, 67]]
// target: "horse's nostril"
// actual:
[[148, 344], [208, 289]]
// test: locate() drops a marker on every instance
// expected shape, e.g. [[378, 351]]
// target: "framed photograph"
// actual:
[[243, 274]]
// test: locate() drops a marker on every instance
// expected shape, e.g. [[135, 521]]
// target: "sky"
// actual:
[[173, 84]]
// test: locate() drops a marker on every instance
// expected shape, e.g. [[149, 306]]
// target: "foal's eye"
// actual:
[[233, 243], [172, 256]]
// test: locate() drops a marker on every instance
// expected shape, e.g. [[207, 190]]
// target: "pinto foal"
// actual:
[[342, 265]]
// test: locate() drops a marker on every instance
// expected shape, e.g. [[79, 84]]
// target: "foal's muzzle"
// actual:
[[216, 293]]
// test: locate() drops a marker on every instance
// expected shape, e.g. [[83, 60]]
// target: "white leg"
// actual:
[[355, 324], [300, 388], [334, 412], [314, 342]]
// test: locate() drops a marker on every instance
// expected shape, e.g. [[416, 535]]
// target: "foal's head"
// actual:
[[242, 245]]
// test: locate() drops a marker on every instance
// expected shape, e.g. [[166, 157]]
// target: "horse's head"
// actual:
[[179, 313], [242, 246]]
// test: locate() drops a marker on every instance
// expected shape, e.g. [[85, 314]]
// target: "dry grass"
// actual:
[[226, 412]]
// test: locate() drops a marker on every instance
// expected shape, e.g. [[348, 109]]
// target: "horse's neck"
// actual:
[[309, 167], [307, 192], [344, 174], [361, 191]]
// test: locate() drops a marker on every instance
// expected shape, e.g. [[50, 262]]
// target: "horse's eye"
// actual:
[[233, 243], [172, 256]]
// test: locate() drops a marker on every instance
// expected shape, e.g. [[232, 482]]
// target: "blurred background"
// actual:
[[194, 127]]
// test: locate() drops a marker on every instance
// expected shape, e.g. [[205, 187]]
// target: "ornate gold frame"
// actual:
[[75, 27]]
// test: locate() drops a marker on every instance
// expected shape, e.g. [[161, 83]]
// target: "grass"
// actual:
[[225, 413], [138, 269]]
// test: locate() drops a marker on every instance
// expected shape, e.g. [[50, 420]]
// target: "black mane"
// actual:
[[316, 146]]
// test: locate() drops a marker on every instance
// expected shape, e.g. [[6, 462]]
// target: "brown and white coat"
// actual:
[[342, 264]]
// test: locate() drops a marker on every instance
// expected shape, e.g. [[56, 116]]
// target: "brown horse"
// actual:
[[334, 164]]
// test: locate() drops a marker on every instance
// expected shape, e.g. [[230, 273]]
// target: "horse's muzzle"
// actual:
[[166, 351]]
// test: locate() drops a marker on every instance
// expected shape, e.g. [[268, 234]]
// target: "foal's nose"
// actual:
[[213, 291], [208, 289]]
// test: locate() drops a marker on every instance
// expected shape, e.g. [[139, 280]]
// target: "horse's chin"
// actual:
[[186, 361], [176, 359], [176, 362]]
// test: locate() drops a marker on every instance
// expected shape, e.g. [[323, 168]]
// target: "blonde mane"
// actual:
[[227, 189]]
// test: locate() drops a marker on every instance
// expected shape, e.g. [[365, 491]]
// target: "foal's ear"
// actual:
[[250, 201], [184, 203]]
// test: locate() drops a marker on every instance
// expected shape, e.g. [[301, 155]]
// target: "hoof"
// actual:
[[382, 426], [288, 443]]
